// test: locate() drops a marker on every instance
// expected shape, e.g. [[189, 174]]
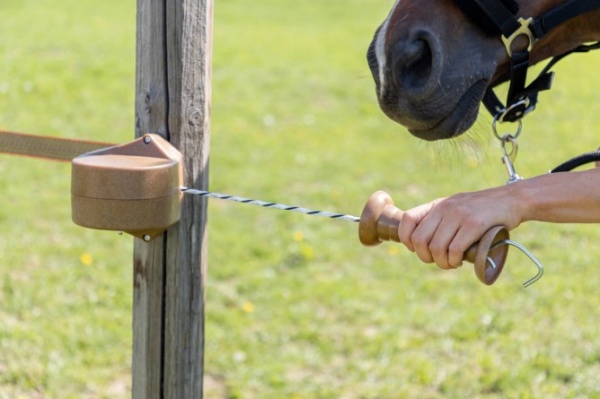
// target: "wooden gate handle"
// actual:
[[380, 220]]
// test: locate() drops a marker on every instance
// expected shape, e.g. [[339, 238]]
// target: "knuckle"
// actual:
[[404, 236], [406, 229], [437, 250], [440, 255], [474, 222], [420, 240], [425, 257], [455, 263], [408, 217], [423, 253], [455, 255], [456, 251]]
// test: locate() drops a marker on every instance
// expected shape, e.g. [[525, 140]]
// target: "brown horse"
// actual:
[[434, 60]]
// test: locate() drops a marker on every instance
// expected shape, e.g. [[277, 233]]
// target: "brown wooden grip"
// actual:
[[380, 221]]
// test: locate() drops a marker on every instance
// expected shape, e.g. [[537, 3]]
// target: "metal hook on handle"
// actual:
[[527, 253], [491, 262]]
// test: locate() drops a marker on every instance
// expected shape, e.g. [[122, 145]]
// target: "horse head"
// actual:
[[432, 63]]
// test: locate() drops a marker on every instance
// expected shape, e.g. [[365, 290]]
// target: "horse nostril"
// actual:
[[418, 69], [413, 65]]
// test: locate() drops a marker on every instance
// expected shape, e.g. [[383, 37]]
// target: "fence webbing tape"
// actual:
[[53, 148]]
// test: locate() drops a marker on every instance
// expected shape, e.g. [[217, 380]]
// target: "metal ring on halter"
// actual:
[[503, 137], [523, 104], [539, 265]]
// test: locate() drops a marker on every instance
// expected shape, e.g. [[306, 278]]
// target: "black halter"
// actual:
[[498, 17]]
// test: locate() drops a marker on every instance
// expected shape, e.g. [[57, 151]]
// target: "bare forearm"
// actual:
[[572, 197]]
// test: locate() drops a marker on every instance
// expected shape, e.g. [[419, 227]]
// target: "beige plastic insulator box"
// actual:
[[133, 187]]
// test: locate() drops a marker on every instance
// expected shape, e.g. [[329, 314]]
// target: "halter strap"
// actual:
[[562, 13], [494, 17], [499, 18]]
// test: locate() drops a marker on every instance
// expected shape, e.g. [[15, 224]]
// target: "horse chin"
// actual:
[[459, 120]]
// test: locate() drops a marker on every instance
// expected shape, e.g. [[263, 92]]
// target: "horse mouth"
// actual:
[[459, 119]]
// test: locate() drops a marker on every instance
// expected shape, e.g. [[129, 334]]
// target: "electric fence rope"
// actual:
[[273, 205]]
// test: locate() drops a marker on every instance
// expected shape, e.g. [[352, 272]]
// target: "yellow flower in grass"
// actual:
[[86, 259], [307, 252], [393, 250], [248, 307], [298, 236]]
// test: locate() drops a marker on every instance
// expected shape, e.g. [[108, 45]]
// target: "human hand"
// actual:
[[442, 230]]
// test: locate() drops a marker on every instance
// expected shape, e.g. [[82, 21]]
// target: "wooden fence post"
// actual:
[[174, 47]]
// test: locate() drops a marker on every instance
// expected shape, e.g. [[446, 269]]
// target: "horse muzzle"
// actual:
[[415, 88]]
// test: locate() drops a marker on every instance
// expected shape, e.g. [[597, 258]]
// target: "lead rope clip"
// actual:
[[509, 154], [510, 148], [509, 157]]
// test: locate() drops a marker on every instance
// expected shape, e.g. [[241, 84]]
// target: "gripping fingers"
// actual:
[[440, 246], [411, 220]]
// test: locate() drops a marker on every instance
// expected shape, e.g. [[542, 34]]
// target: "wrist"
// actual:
[[523, 201]]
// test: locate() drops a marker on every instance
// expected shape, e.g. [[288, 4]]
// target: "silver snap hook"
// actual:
[[509, 157]]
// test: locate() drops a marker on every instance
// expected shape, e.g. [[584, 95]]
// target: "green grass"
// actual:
[[296, 308]]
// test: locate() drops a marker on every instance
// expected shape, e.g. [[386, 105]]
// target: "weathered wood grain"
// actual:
[[174, 47]]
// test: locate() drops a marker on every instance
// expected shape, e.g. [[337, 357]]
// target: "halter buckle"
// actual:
[[524, 29], [514, 112]]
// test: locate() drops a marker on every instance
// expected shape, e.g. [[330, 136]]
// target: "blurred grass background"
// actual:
[[296, 308]]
